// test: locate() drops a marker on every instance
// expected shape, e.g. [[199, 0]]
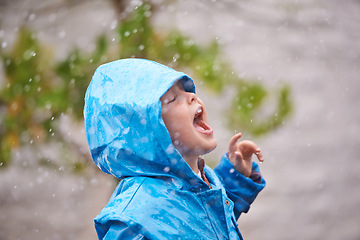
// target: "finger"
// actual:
[[260, 155], [232, 142], [248, 147]]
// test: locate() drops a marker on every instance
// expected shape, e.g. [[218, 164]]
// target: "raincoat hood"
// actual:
[[126, 134]]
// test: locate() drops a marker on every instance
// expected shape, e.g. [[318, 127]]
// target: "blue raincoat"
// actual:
[[159, 196]]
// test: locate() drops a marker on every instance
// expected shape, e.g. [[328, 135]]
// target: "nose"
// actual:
[[192, 98]]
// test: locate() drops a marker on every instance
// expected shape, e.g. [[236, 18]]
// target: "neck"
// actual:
[[193, 162]]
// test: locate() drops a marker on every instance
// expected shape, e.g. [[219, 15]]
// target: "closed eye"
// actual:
[[172, 100]]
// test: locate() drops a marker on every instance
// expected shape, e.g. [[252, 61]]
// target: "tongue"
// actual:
[[202, 127]]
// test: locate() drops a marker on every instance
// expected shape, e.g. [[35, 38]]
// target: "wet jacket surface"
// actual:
[[159, 196]]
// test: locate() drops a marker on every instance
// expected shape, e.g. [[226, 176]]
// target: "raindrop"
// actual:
[[4, 44], [166, 169], [39, 89], [176, 57], [37, 78], [31, 141], [72, 83], [32, 17], [39, 180], [52, 17], [127, 33], [62, 34], [232, 170], [28, 54], [52, 118], [147, 14], [53, 195], [141, 47], [27, 88], [113, 25], [143, 121], [50, 130]]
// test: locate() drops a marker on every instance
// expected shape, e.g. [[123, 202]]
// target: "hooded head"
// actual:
[[124, 127]]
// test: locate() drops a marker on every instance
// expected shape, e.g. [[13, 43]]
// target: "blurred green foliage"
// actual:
[[37, 91]]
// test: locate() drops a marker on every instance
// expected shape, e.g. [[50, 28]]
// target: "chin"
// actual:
[[212, 146]]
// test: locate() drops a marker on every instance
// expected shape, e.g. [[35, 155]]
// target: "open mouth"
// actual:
[[199, 123]]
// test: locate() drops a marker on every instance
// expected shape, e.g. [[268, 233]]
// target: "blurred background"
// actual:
[[284, 73]]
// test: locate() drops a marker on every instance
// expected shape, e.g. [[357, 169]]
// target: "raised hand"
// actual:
[[240, 154]]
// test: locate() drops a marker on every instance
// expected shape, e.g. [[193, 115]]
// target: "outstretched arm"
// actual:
[[240, 176]]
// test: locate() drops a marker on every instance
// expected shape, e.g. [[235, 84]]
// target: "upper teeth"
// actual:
[[199, 111]]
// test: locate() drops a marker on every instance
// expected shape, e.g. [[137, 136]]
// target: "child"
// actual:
[[145, 126]]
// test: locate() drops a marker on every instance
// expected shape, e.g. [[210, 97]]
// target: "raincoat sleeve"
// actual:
[[120, 231], [240, 189]]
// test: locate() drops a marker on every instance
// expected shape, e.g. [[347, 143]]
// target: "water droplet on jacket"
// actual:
[[144, 139], [126, 130], [170, 149], [166, 169]]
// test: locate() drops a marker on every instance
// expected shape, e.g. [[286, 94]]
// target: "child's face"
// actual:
[[186, 120]]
